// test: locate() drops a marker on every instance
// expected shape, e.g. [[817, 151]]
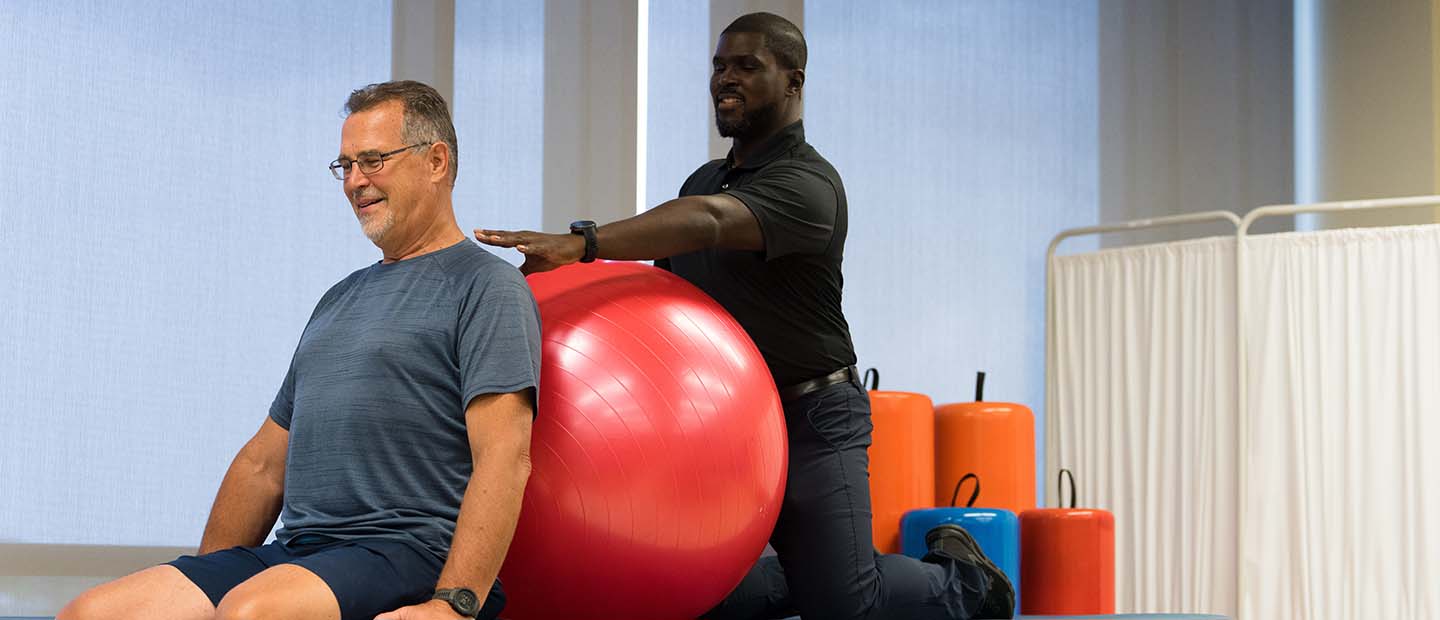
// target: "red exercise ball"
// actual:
[[658, 453]]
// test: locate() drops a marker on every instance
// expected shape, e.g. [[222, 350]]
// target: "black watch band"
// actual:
[[587, 229], [462, 600]]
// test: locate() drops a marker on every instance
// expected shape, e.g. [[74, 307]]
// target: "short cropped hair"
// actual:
[[782, 37], [427, 118]]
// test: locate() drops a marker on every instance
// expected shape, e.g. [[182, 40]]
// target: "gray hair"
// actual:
[[427, 118]]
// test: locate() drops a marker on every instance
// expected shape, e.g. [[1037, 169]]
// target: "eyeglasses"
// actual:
[[370, 163]]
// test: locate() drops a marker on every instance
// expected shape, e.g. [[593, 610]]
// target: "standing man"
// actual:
[[763, 232], [398, 444]]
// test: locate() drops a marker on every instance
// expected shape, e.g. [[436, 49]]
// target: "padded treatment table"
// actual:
[[1109, 617], [1133, 617], [1104, 617]]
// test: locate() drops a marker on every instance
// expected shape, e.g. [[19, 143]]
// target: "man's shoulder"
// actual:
[[709, 167], [344, 284], [708, 172], [468, 264], [805, 156], [463, 266], [469, 255], [800, 168]]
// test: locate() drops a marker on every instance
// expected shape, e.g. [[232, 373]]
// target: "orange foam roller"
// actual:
[[902, 459], [1067, 560], [995, 441]]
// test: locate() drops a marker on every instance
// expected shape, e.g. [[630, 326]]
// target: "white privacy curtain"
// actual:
[[1143, 401], [1343, 393]]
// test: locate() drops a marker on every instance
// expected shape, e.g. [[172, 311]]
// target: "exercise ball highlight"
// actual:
[[658, 452]]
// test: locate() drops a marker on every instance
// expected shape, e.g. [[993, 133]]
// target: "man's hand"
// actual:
[[429, 610], [542, 251]]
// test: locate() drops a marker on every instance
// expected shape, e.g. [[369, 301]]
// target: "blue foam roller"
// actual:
[[997, 530]]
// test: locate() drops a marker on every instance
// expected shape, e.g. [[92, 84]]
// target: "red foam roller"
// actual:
[[1067, 561]]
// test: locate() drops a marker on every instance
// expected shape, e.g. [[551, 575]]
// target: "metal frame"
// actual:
[[1242, 344], [1141, 224], [1242, 228]]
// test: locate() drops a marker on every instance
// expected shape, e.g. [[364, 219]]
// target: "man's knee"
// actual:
[[249, 606], [90, 605], [838, 596], [156, 593], [284, 592]]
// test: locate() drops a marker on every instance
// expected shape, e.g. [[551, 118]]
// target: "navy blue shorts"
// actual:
[[367, 576]]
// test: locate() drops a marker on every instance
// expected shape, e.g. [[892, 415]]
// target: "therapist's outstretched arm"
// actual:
[[675, 227]]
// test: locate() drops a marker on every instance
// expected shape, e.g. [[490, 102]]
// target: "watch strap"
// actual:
[[592, 245], [462, 600]]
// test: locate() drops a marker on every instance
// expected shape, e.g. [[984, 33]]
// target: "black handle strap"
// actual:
[[871, 378], [980, 386], [974, 495], [1060, 487]]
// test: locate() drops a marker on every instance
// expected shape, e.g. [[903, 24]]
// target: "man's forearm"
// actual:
[[245, 507], [680, 226], [673, 228], [486, 525]]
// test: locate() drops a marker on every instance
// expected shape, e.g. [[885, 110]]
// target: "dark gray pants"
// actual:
[[826, 567]]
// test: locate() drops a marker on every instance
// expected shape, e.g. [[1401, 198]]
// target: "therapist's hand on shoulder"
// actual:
[[543, 251]]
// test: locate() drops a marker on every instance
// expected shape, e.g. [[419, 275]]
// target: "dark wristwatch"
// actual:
[[462, 600], [586, 228]]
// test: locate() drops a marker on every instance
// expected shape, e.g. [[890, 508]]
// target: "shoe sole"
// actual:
[[974, 547]]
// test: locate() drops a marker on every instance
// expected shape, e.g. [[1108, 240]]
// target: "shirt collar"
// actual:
[[778, 144]]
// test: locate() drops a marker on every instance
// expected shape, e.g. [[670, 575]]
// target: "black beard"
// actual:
[[747, 121]]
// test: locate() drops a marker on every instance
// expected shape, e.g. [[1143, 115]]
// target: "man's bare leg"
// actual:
[[160, 593], [282, 592]]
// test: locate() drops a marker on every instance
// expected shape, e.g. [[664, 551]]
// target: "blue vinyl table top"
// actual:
[[1131, 617], [1109, 617]]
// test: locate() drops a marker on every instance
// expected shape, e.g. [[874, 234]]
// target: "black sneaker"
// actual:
[[951, 542]]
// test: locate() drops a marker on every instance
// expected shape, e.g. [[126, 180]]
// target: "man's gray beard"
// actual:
[[376, 230]]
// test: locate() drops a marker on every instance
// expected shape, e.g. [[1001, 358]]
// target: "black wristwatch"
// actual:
[[586, 228], [462, 600]]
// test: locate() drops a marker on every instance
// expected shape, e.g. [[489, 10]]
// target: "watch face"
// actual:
[[465, 602], [576, 225]]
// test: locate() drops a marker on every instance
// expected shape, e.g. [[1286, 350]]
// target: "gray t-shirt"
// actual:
[[376, 394]]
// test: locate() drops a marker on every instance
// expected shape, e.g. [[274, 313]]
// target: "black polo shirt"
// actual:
[[788, 296]]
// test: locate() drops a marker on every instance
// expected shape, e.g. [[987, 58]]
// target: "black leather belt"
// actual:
[[792, 392]]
